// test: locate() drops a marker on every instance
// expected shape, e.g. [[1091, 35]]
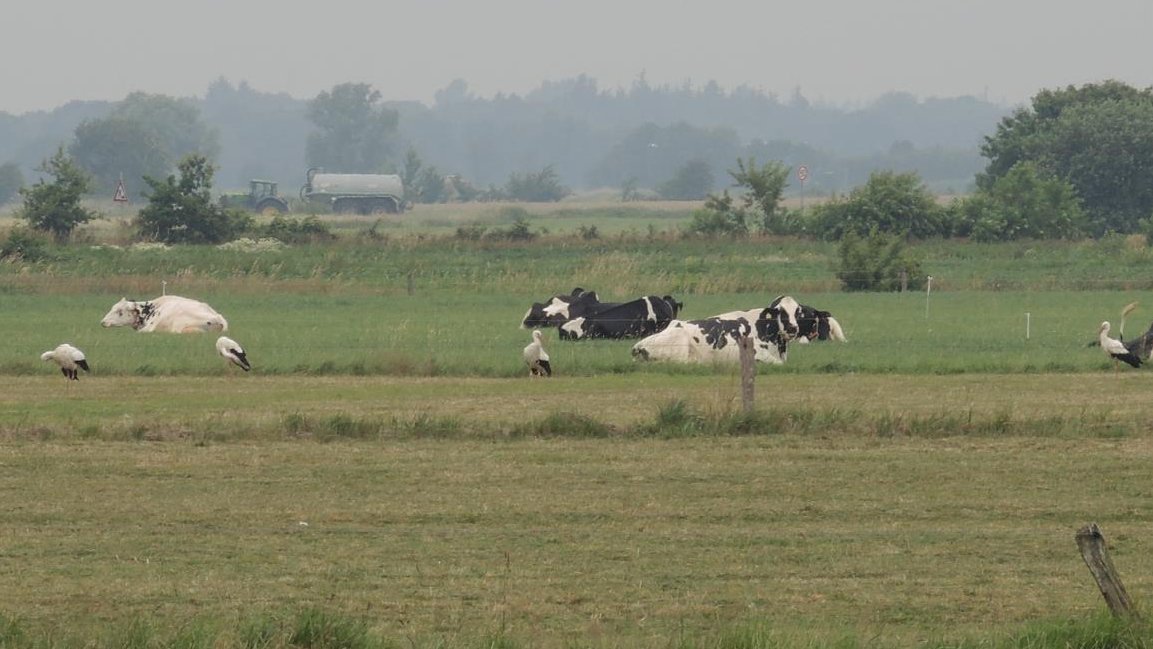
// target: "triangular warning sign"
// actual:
[[121, 196]]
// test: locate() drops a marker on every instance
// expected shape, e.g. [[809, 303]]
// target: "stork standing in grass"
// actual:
[[69, 359], [536, 357], [1115, 348], [233, 352]]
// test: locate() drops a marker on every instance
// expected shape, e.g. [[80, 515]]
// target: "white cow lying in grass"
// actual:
[[168, 313]]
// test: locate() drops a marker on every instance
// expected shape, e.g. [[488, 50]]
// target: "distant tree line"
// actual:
[[641, 137], [1076, 162]]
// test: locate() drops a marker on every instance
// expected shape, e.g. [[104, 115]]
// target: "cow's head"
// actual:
[[812, 323], [573, 329], [674, 305], [786, 311], [534, 317], [124, 313]]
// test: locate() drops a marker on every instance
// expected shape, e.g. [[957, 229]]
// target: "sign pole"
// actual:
[[802, 176]]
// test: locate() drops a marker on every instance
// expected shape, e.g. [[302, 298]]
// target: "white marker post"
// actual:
[[1028, 318], [928, 289], [802, 175]]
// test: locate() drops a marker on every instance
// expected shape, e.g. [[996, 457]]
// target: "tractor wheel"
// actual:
[[344, 206], [269, 207]]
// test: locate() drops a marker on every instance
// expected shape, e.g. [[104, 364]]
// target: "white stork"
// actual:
[[69, 359], [536, 358], [1115, 348], [231, 350]]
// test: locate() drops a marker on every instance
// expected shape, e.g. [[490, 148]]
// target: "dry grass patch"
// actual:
[[555, 541]]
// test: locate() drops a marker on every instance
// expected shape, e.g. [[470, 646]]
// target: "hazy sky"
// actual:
[[836, 51]]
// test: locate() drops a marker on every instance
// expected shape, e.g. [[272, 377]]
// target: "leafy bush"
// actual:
[[182, 211], [711, 223], [875, 263], [290, 230], [24, 244], [889, 203], [518, 231], [1025, 203], [719, 218], [588, 232], [541, 187], [473, 232], [692, 181]]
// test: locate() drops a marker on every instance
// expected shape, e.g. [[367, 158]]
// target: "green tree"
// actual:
[[890, 203], [55, 206], [1025, 203], [181, 210], [876, 262], [116, 147], [177, 123], [1098, 138], [422, 184], [762, 190], [144, 135], [11, 180], [692, 181], [354, 132]]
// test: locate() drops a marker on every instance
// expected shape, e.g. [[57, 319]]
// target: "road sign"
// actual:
[[802, 173], [120, 196]]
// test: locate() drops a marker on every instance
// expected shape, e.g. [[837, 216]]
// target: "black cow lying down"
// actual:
[[640, 317], [559, 309]]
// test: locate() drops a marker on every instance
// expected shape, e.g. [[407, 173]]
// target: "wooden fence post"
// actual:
[[1093, 549], [748, 372]]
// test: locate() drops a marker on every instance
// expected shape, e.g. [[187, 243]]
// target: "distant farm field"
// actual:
[[388, 460]]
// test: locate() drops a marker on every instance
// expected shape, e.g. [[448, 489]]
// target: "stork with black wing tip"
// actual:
[[1114, 348], [536, 358], [68, 359]]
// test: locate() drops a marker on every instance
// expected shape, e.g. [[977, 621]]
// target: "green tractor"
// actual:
[[261, 198]]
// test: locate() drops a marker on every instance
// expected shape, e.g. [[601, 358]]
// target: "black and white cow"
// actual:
[[814, 324], [716, 339], [167, 313], [811, 323], [640, 317], [559, 309]]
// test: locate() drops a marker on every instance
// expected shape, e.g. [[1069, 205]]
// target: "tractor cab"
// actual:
[[261, 198], [261, 189]]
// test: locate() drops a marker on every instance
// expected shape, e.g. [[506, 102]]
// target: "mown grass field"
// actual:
[[389, 461]]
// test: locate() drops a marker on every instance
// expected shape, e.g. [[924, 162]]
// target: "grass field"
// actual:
[[388, 461]]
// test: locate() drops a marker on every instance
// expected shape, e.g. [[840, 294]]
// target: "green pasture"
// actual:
[[389, 463], [439, 333]]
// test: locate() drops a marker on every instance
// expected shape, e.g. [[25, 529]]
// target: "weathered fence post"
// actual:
[[410, 285], [1093, 549], [903, 276], [748, 372]]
